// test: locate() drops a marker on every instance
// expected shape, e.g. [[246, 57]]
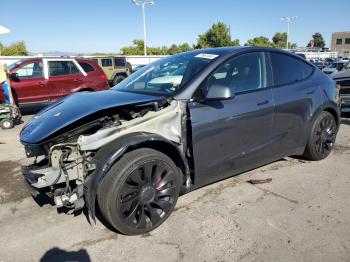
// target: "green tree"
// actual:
[[317, 40], [135, 49], [259, 41], [18, 48], [217, 36], [174, 49], [280, 40]]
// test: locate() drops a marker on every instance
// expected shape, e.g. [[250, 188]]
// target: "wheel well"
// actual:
[[120, 74], [168, 150], [334, 114]]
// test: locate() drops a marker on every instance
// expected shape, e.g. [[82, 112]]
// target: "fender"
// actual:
[[111, 153]]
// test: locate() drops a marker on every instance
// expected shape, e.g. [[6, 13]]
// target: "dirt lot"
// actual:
[[302, 215]]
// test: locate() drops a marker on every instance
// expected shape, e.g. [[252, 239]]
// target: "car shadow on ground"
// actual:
[[57, 254]]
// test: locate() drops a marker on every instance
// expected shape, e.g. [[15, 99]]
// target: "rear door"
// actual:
[[64, 78], [31, 85], [231, 136], [296, 95]]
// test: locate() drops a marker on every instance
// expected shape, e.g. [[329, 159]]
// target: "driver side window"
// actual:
[[244, 73]]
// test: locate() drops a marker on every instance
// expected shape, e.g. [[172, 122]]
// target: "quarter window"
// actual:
[[119, 61], [32, 70], [59, 68], [287, 69], [244, 73], [87, 67], [106, 62]]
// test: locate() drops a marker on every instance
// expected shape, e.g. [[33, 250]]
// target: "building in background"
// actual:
[[341, 42]]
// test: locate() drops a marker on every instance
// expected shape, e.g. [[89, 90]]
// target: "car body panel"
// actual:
[[228, 135], [73, 108]]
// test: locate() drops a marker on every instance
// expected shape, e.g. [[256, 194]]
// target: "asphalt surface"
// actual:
[[303, 214]]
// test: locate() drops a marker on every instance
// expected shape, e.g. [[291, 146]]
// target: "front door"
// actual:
[[30, 87], [232, 136]]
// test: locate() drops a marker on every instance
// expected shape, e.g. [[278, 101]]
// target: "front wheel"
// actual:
[[118, 79], [322, 137], [139, 192], [6, 123]]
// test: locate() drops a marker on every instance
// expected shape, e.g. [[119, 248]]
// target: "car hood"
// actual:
[[341, 74], [72, 108]]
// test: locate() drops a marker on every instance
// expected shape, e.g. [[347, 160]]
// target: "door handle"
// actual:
[[41, 83], [263, 103], [310, 92], [77, 80]]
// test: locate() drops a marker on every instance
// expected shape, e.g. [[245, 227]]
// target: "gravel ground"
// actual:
[[303, 214]]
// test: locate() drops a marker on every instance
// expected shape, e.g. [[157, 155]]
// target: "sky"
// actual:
[[88, 26]]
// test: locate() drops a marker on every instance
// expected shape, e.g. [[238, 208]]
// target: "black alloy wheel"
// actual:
[[322, 137], [143, 195]]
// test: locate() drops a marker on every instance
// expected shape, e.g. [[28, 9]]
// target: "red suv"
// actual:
[[40, 81]]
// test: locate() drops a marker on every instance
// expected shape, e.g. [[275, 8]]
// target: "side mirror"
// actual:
[[219, 92], [14, 77]]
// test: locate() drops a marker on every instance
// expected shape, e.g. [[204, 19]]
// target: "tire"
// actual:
[[117, 79], [6, 124], [322, 137], [133, 203]]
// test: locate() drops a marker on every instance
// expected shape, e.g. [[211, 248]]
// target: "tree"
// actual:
[[317, 41], [259, 41], [217, 36], [174, 49], [280, 40], [18, 48]]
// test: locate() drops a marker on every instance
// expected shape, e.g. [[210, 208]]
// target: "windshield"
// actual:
[[167, 75]]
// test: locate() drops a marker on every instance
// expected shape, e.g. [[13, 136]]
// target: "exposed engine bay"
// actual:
[[61, 165]]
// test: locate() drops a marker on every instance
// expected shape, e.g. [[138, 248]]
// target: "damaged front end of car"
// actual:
[[68, 154]]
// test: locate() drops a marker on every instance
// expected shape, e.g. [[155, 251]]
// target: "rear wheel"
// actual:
[[322, 137], [139, 192], [6, 124], [118, 79]]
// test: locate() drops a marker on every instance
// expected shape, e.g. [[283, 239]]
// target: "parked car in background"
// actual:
[[342, 79], [41, 81], [178, 124], [116, 68], [334, 67]]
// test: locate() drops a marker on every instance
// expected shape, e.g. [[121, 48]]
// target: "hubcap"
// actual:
[[325, 135], [147, 195]]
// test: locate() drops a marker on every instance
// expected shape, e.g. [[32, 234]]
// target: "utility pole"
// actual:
[[289, 19], [143, 4]]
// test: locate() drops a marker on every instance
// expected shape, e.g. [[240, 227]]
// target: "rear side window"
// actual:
[[87, 67], [106, 62], [59, 68], [288, 70], [119, 61]]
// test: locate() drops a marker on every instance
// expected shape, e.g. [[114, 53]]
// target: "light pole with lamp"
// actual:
[[143, 4], [289, 19]]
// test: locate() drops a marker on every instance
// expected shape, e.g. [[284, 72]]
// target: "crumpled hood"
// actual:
[[74, 107]]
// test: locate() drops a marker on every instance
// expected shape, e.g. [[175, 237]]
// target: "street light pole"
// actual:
[[289, 19], [143, 4]]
